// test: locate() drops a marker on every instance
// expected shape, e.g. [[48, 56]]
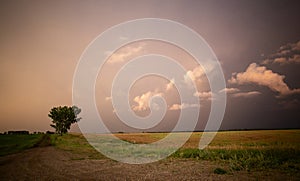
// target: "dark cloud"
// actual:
[[286, 54]]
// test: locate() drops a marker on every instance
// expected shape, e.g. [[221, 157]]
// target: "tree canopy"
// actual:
[[63, 117]]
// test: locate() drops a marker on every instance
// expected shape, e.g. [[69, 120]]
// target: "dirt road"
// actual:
[[50, 163]]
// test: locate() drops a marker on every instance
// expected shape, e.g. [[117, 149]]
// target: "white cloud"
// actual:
[[283, 60], [287, 60], [260, 75], [204, 95], [230, 90], [175, 107], [235, 92], [182, 106], [280, 60], [124, 54], [194, 75], [142, 102], [246, 94], [170, 85]]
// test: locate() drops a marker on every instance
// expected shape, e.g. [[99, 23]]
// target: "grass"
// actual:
[[15, 143], [247, 159], [240, 150], [76, 144], [220, 171], [249, 150]]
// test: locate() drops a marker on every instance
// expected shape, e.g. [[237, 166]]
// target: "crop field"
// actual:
[[243, 150], [262, 154]]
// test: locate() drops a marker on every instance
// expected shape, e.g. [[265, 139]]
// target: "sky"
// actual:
[[257, 43]]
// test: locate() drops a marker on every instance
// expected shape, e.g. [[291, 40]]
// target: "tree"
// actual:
[[63, 117]]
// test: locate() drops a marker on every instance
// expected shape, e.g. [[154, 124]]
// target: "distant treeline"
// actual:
[[23, 132]]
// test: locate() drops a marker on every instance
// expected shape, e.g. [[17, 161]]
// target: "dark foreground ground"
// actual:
[[50, 163]]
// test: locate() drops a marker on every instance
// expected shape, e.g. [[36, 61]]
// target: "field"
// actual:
[[233, 155], [16, 143]]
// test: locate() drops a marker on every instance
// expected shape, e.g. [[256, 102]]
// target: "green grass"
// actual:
[[220, 171], [239, 150], [10, 144], [76, 144], [249, 150], [247, 159]]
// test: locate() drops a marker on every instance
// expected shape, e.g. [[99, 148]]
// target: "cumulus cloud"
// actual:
[[182, 106], [246, 94], [142, 102], [260, 75], [170, 85], [194, 75], [124, 53], [286, 54]]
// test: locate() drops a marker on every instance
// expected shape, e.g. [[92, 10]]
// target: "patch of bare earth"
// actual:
[[50, 163]]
